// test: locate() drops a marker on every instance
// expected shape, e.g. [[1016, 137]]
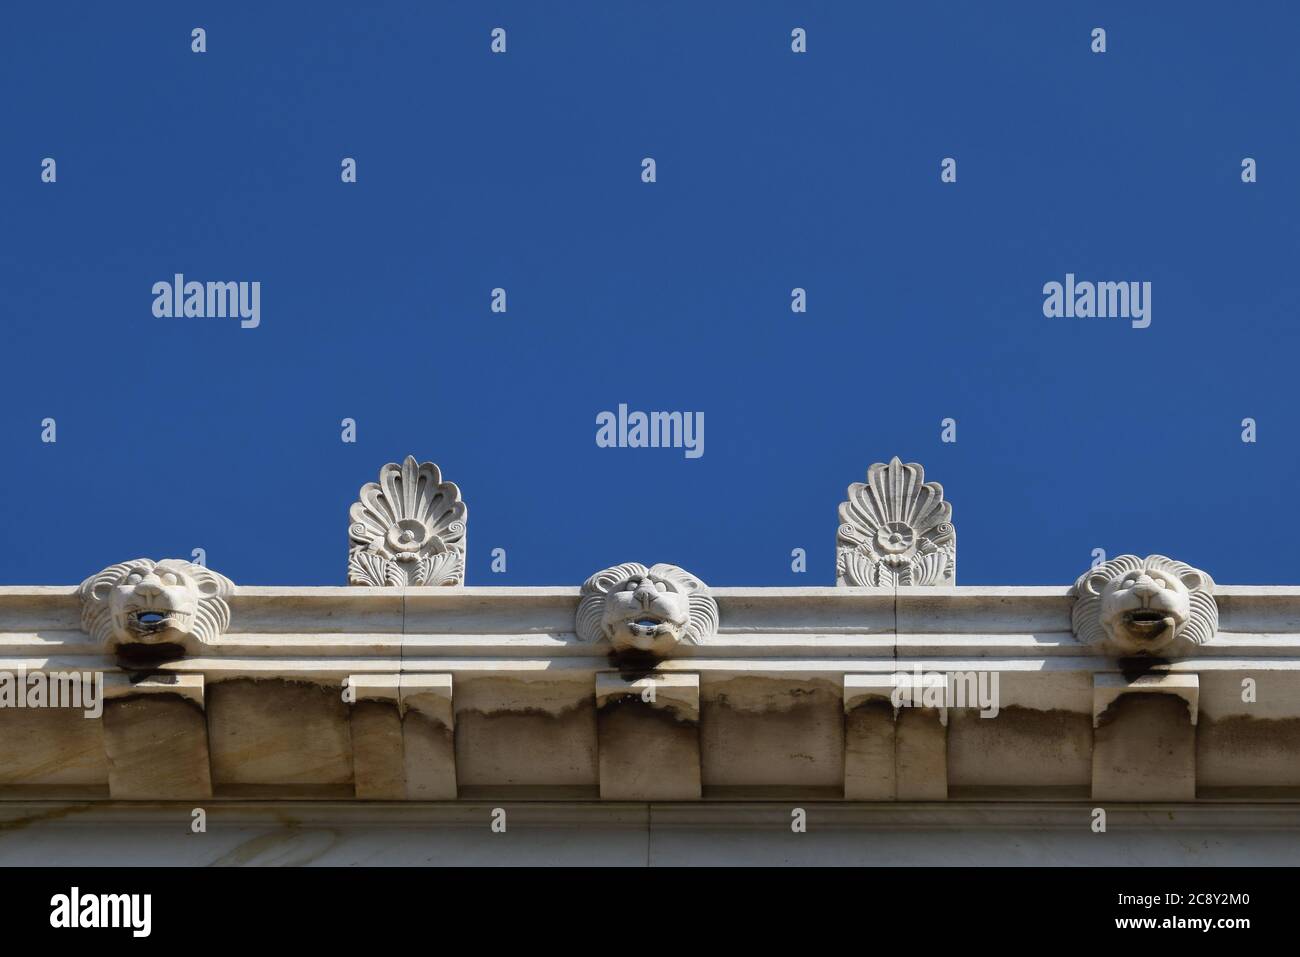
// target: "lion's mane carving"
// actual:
[[646, 611], [1144, 605], [143, 602]]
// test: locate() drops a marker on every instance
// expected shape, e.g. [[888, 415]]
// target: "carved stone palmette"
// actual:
[[896, 529], [407, 529]]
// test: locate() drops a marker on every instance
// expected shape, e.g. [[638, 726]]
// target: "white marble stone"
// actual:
[[977, 834], [896, 529], [156, 738], [408, 528], [775, 708], [1145, 606], [1144, 742], [644, 611], [649, 737], [143, 604]]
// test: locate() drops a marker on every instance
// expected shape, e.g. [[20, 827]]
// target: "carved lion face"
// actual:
[[646, 610], [143, 602], [1143, 606]]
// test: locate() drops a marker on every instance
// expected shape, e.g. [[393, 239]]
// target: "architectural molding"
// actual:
[[677, 833], [648, 703], [514, 700]]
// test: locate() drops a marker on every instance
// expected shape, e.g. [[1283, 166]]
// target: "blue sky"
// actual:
[[522, 171]]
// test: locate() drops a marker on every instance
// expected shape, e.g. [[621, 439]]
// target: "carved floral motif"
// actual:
[[407, 529], [896, 529]]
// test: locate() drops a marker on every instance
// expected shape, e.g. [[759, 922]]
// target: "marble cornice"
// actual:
[[1142, 681]]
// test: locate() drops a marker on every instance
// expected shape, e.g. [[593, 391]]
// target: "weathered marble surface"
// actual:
[[639, 835], [489, 693], [648, 731], [646, 718]]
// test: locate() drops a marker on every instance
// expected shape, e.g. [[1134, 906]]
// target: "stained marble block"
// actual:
[[156, 738], [894, 753], [648, 732], [402, 737], [428, 737], [1144, 737]]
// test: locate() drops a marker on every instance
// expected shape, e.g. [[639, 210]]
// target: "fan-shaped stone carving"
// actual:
[[896, 529], [407, 529]]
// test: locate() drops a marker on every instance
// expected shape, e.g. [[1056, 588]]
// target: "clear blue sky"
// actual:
[[522, 171]]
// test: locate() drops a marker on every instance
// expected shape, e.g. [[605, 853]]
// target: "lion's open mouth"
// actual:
[[1146, 622], [146, 621], [648, 621]]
